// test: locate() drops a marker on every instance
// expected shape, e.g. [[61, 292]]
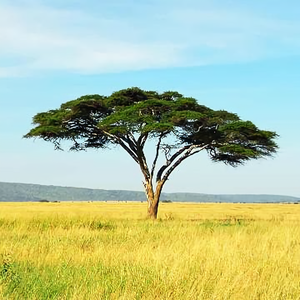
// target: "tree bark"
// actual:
[[153, 198]]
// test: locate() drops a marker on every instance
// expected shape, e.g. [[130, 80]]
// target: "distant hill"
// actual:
[[21, 192]]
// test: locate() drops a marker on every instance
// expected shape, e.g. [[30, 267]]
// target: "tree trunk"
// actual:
[[152, 210], [153, 198]]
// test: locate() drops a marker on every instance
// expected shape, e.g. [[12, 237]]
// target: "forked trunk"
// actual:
[[153, 198]]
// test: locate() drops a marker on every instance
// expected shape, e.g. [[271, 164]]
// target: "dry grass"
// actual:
[[109, 251]]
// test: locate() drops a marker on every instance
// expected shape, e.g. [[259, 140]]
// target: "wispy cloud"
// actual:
[[99, 38], [50, 39]]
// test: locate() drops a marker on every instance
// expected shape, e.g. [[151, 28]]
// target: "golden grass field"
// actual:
[[110, 251]]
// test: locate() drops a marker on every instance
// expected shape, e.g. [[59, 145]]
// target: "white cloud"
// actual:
[[69, 40], [37, 38]]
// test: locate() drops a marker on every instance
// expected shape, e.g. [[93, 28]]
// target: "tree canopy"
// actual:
[[180, 127]]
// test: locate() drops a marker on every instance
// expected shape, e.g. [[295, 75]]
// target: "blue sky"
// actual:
[[242, 56]]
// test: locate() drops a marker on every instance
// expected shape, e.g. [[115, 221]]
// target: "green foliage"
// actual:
[[95, 121], [9, 276]]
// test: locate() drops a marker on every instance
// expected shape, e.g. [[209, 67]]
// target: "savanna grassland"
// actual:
[[110, 251]]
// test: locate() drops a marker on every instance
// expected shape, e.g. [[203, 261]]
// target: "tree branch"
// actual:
[[156, 155], [119, 141], [130, 140], [142, 140], [187, 154], [143, 162], [169, 161]]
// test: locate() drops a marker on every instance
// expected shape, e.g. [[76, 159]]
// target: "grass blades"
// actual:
[[109, 251]]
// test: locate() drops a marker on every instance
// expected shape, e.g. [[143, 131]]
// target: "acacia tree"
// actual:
[[180, 127]]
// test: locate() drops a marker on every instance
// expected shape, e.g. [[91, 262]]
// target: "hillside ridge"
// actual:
[[25, 192]]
